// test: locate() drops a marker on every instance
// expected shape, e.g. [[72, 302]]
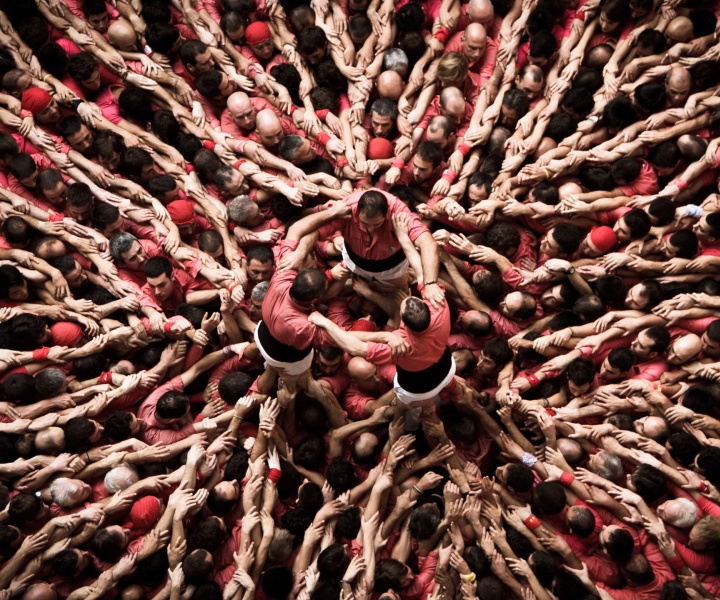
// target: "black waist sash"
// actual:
[[376, 266], [419, 382], [277, 350]]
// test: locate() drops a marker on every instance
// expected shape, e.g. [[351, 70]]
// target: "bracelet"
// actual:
[[41, 353], [528, 460], [703, 488], [416, 489], [46, 77], [345, 582], [323, 137], [75, 103], [398, 163], [532, 522], [449, 176], [567, 478], [148, 50], [545, 402], [231, 285], [430, 283], [87, 456], [227, 351], [167, 327], [681, 184], [659, 388], [463, 149], [594, 119], [442, 34], [274, 475], [547, 173], [533, 380], [105, 377], [469, 577]]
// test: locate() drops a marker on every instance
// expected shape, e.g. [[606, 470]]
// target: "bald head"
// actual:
[[452, 103], [359, 368], [679, 512], [390, 85], [122, 35], [242, 111], [40, 591], [474, 42], [269, 128], [481, 11], [50, 440], [679, 30], [677, 86], [684, 349]]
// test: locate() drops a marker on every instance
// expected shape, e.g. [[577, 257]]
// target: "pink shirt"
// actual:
[[645, 184]]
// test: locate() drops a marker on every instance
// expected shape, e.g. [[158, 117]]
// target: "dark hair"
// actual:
[[619, 113], [161, 37], [107, 545], [24, 508], [277, 582], [172, 405], [411, 17], [621, 358], [78, 432], [117, 425], [650, 97], [309, 285], [544, 566], [683, 447], [196, 566], [652, 39], [341, 475], [158, 265], [660, 338], [388, 574], [519, 477], [620, 544], [579, 101], [332, 562], [549, 497], [611, 289], [568, 237], [208, 535], [416, 315], [649, 483], [638, 223], [310, 40], [626, 170], [431, 152], [582, 523], [190, 50], [498, 350], [542, 45]]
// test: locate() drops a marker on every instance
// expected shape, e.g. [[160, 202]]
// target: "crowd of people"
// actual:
[[359, 299]]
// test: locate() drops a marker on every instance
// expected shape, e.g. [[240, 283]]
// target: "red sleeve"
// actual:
[[194, 354], [708, 506], [702, 563], [378, 353]]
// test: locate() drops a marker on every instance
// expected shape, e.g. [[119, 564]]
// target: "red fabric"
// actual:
[[257, 33], [36, 100]]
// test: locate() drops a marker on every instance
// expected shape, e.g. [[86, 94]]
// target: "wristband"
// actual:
[[533, 380], [463, 149], [469, 577], [292, 109], [552, 374], [694, 211], [345, 582], [528, 460], [290, 182], [442, 34], [238, 163], [322, 114], [398, 163], [189, 168], [147, 50], [55, 217], [75, 103], [329, 275], [146, 324], [449, 175], [586, 351], [659, 388], [681, 184], [323, 137], [703, 488], [547, 173], [416, 489], [594, 119], [532, 522], [676, 562], [274, 475], [105, 377], [567, 478], [41, 353], [227, 351], [209, 144], [199, 475], [550, 410], [167, 327], [231, 285], [342, 162]]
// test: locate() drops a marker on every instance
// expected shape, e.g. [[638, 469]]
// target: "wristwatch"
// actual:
[[570, 271]]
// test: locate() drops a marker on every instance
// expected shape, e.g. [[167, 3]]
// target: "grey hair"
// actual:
[[120, 244], [240, 209], [396, 60], [116, 479], [259, 291], [61, 489], [611, 467]]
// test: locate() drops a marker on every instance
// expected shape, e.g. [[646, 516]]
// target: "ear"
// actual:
[[652, 355]]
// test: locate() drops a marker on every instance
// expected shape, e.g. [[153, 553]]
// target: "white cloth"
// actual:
[[388, 275], [409, 398], [296, 368]]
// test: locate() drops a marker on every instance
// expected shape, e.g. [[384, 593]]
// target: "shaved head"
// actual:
[[683, 349], [390, 85], [481, 11], [677, 86], [242, 110], [359, 368], [679, 30], [122, 35], [269, 128]]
